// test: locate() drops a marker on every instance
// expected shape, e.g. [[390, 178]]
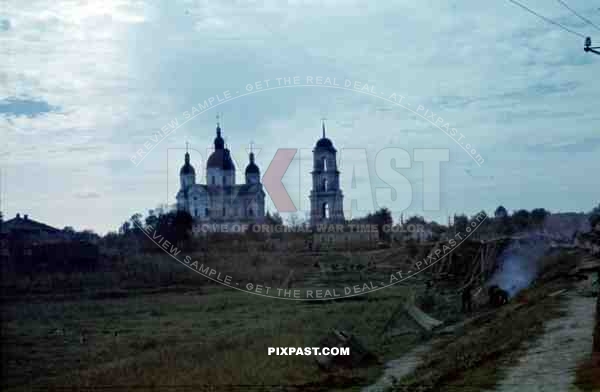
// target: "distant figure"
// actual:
[[467, 298], [83, 337], [502, 297], [498, 296]]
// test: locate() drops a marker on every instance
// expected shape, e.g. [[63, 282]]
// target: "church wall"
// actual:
[[198, 204], [218, 175], [252, 178], [187, 180], [214, 176]]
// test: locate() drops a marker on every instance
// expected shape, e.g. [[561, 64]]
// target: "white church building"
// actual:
[[221, 202], [223, 205]]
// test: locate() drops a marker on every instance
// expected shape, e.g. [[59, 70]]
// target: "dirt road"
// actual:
[[550, 361], [398, 368]]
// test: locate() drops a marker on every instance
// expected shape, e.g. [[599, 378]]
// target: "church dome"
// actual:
[[252, 172], [252, 168], [324, 143], [187, 168], [220, 159]]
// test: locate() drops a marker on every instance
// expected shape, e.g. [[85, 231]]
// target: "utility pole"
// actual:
[[596, 345], [589, 48]]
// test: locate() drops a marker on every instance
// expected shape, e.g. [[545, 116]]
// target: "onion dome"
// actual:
[[324, 143], [252, 168], [220, 159], [187, 168]]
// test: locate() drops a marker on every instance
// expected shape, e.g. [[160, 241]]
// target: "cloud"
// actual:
[[87, 195], [4, 25], [105, 78], [13, 106], [578, 145], [541, 88]]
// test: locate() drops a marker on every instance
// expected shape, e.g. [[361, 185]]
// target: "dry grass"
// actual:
[[126, 273], [177, 328], [218, 337], [471, 360]]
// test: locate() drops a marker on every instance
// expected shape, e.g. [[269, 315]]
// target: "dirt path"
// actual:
[[549, 362]]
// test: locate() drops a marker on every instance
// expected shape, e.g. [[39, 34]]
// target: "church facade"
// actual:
[[221, 203]]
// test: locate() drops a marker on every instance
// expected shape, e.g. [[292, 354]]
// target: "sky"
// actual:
[[84, 85]]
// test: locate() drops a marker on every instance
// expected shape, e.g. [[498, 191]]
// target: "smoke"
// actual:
[[519, 264], [520, 261]]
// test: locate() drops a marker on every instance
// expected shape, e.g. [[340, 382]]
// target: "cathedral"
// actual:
[[221, 201]]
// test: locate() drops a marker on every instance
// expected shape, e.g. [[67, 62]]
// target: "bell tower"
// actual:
[[326, 198]]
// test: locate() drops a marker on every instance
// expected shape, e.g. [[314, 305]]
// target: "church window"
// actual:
[[196, 212], [325, 212], [324, 164], [213, 180], [325, 184], [250, 212], [206, 212], [224, 211]]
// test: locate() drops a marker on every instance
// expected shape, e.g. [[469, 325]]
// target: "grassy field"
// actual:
[[213, 336], [152, 324]]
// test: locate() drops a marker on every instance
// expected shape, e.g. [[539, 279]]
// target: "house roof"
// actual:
[[27, 224]]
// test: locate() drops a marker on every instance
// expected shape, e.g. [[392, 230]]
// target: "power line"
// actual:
[[546, 19], [579, 16]]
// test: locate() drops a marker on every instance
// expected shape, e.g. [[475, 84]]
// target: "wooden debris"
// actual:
[[556, 293], [359, 355]]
